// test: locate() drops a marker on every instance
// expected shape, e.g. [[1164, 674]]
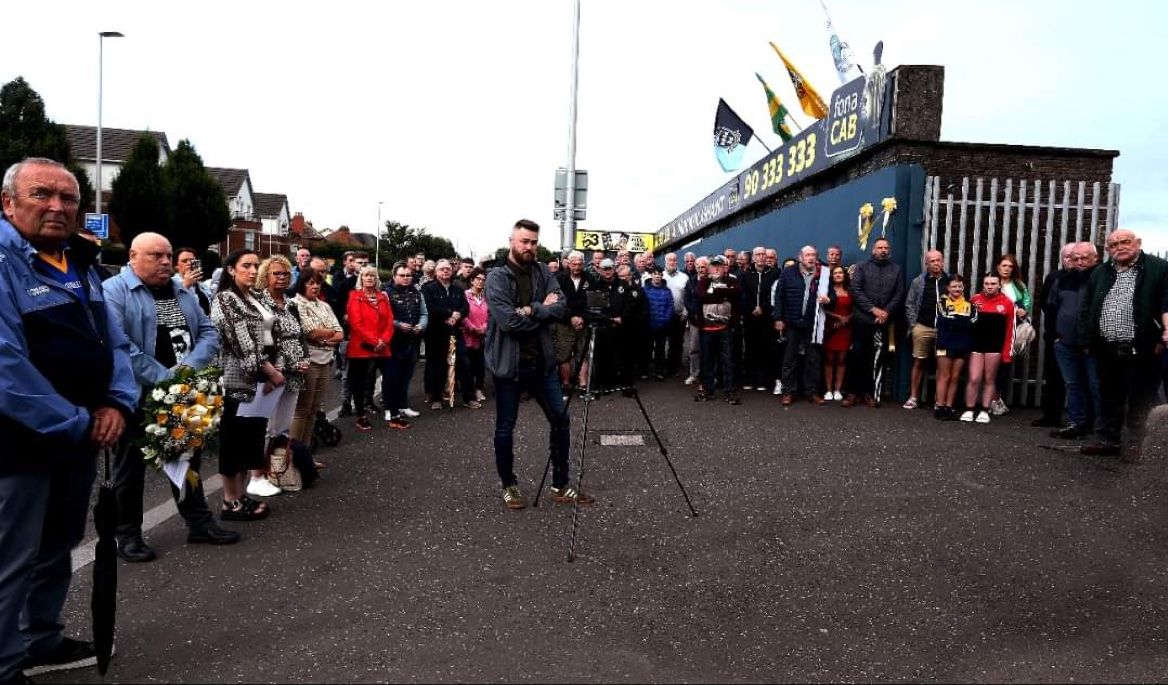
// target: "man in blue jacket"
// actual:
[[66, 392], [167, 329]]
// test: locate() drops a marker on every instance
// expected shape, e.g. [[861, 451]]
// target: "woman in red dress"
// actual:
[[838, 336]]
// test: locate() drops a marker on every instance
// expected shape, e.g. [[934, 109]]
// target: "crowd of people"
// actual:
[[81, 350]]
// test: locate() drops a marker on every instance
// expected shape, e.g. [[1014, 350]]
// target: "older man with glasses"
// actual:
[[1125, 317]]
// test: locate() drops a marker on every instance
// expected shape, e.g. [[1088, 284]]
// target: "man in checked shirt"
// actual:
[[1125, 318]]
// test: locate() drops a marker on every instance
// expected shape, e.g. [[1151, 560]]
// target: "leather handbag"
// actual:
[[281, 471]]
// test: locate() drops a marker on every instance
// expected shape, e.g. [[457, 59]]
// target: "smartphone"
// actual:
[[196, 265]]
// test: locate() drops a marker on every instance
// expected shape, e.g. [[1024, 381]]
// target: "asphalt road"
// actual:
[[832, 545]]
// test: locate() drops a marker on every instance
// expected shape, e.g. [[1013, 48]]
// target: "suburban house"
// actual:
[[259, 221], [116, 146]]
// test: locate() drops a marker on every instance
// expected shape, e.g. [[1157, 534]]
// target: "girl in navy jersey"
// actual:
[[993, 340], [956, 317]]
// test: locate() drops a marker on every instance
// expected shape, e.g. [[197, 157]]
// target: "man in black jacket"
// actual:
[[1054, 391], [878, 292], [759, 363], [570, 334], [447, 307]]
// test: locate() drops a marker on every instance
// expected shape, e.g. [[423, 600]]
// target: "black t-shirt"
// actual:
[[927, 316], [528, 343], [173, 341]]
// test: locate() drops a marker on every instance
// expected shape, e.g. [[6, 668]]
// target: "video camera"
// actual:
[[596, 310]]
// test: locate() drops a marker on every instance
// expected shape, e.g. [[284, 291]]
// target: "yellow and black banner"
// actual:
[[615, 241]]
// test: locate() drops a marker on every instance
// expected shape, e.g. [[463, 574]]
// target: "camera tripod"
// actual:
[[588, 397]]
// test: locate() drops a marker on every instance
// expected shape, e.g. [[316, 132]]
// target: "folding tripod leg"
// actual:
[[664, 452]]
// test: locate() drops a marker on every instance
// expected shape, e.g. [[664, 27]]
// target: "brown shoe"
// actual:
[[870, 401], [786, 400], [816, 399], [569, 495], [849, 401]]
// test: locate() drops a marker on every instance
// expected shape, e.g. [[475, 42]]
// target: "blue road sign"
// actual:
[[98, 225]]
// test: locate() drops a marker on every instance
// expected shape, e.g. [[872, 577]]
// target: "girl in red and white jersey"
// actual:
[[993, 341]]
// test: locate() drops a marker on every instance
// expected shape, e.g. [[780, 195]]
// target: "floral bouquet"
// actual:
[[182, 415]]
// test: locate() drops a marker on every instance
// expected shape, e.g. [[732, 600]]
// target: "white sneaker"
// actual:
[[480, 396], [748, 387], [262, 487], [778, 388], [839, 396], [690, 380], [998, 408], [388, 415], [967, 416], [982, 417], [410, 413]]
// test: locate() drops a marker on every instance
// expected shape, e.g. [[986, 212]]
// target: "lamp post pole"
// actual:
[[100, 47], [568, 234], [377, 245]]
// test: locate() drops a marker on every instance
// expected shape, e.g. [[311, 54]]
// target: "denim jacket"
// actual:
[[132, 306]]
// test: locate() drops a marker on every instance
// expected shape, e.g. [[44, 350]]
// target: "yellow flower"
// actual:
[[866, 210], [218, 401], [178, 433], [185, 388], [178, 410], [889, 204], [201, 399], [162, 417]]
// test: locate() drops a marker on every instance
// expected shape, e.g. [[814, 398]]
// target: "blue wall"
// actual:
[[830, 219]]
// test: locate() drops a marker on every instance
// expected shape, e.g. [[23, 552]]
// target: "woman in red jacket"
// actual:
[[370, 329], [993, 343]]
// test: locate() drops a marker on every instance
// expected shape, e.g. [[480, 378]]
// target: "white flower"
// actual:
[[174, 389], [149, 452], [170, 399], [202, 385], [158, 394]]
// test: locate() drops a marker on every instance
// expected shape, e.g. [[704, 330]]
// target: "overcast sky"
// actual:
[[455, 114]]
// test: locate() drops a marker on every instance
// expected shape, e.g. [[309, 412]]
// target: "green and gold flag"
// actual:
[[778, 111], [809, 99]]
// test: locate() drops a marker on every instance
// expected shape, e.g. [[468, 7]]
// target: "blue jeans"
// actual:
[[395, 386], [1081, 378], [544, 387], [44, 515]]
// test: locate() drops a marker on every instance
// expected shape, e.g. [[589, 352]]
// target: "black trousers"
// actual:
[[1054, 394], [861, 376], [759, 358], [1127, 391], [676, 333], [128, 473]]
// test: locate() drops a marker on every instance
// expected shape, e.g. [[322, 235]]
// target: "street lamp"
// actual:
[[377, 245], [100, 43]]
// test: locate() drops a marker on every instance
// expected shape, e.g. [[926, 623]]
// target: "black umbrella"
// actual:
[[105, 570]]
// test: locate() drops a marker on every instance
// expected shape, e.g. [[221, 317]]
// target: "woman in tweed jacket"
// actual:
[[240, 319]]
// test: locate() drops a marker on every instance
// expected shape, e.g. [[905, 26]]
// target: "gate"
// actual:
[[1030, 219]]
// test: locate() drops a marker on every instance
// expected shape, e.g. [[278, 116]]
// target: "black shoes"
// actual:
[[1044, 422], [135, 550], [731, 398], [346, 410], [212, 535], [66, 656], [1071, 432]]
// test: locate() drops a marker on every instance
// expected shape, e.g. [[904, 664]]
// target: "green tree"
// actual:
[[25, 131], [139, 202], [399, 241], [541, 253], [197, 213]]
